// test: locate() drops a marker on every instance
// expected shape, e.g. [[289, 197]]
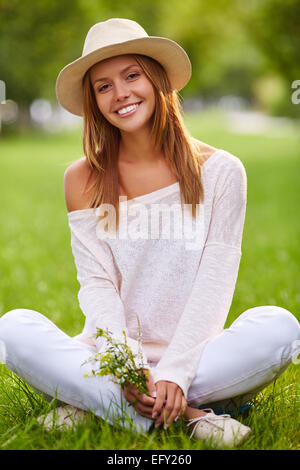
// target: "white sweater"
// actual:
[[180, 288]]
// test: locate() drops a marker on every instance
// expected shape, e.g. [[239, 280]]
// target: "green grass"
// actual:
[[37, 271]]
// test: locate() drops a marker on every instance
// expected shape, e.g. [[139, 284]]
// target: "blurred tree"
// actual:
[[274, 27], [232, 44], [37, 39], [146, 12], [223, 60]]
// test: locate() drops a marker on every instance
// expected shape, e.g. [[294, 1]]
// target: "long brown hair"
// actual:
[[101, 141]]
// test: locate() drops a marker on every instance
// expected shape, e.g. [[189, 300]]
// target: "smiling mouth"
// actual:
[[136, 105]]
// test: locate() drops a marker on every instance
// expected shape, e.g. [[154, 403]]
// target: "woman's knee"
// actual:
[[287, 331], [275, 322], [15, 317], [14, 323], [288, 321], [283, 322]]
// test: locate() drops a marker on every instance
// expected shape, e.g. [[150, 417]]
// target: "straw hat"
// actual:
[[114, 37]]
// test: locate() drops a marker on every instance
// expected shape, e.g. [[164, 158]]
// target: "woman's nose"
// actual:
[[121, 91]]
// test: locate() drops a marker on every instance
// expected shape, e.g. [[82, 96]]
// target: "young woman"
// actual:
[[141, 170]]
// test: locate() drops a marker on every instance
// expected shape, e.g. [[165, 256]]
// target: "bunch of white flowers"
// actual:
[[119, 361]]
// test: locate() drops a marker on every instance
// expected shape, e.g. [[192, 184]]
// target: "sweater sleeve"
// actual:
[[207, 307], [99, 298]]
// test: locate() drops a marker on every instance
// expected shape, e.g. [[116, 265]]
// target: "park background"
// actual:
[[241, 97]]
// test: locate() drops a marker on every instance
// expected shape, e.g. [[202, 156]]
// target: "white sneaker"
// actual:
[[63, 416], [218, 430]]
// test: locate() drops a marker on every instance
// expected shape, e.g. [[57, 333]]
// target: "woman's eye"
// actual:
[[102, 88], [133, 74]]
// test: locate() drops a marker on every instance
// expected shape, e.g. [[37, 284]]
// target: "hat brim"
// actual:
[[170, 55]]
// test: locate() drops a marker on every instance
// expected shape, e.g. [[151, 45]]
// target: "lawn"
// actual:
[[37, 271]]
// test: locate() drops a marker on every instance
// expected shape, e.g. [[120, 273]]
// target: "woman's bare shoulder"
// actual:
[[76, 178], [205, 149]]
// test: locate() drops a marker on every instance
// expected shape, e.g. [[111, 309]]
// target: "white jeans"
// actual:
[[234, 367]]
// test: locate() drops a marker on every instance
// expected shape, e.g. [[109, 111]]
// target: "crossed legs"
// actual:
[[234, 367]]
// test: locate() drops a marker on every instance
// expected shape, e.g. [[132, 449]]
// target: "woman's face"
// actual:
[[120, 82]]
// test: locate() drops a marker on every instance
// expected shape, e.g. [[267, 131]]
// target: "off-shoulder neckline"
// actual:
[[166, 190]]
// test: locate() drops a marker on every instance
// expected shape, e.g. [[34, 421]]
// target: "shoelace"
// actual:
[[209, 418], [72, 414]]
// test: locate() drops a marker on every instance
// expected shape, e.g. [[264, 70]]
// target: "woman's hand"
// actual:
[[143, 403], [169, 404]]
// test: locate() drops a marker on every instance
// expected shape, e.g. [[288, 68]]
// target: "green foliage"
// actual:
[[231, 43], [273, 26], [37, 39]]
